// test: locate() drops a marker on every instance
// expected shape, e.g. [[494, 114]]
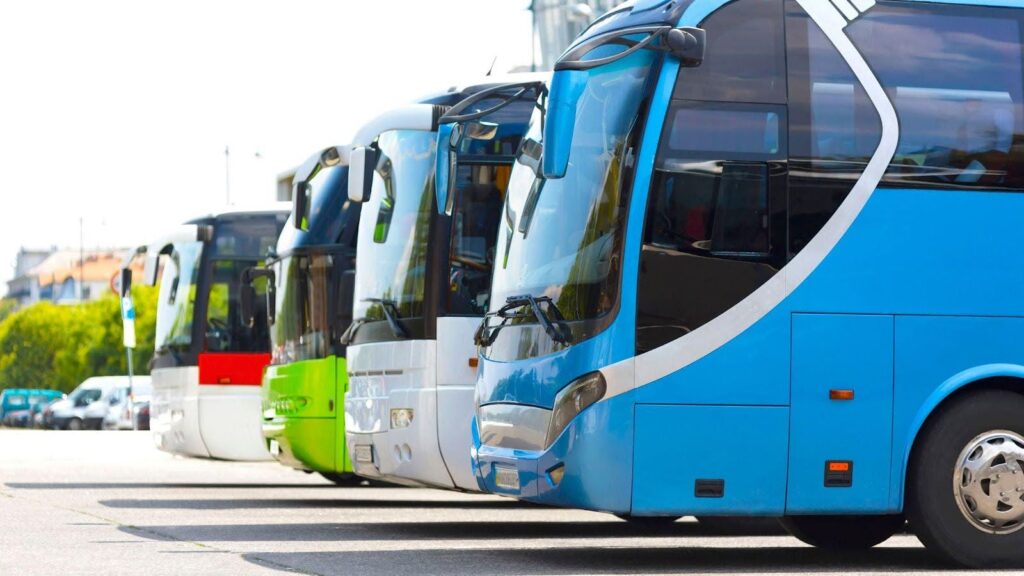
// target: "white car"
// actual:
[[86, 406], [124, 405]]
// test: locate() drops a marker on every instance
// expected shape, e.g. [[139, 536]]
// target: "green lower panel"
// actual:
[[303, 413]]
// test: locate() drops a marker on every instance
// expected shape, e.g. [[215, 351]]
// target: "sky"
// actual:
[[117, 113]]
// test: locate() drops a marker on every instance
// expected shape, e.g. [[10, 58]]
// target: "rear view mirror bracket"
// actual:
[[687, 44]]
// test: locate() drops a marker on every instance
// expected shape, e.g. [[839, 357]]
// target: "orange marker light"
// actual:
[[840, 394], [838, 466], [474, 362]]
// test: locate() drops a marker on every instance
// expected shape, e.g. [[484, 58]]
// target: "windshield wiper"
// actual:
[[556, 328], [391, 314], [350, 332]]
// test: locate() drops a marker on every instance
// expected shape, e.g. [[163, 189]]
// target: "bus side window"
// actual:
[[708, 240], [958, 89], [715, 225], [834, 128]]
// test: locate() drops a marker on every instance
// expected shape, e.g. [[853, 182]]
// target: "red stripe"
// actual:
[[232, 369]]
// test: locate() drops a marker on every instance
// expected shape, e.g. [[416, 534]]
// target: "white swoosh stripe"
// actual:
[[682, 352]]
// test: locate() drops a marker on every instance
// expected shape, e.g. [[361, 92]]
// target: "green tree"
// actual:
[[51, 346], [7, 307]]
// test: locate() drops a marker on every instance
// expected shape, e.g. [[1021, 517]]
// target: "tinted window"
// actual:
[[178, 285], [745, 59], [709, 131], [834, 128], [393, 262], [715, 226], [480, 195], [16, 400], [958, 88], [225, 330], [307, 320], [247, 236]]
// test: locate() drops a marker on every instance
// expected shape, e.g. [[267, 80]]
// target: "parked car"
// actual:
[[17, 418], [125, 406], [18, 405], [86, 406], [142, 416], [39, 417]]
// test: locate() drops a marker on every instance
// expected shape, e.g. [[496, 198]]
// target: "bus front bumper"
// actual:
[[588, 466], [306, 443]]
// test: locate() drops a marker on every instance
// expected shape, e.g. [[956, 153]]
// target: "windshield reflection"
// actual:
[[571, 250]]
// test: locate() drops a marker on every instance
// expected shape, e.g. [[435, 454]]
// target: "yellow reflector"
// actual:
[[556, 474]]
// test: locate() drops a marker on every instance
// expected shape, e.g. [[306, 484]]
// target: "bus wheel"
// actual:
[[75, 424], [651, 521], [342, 479], [843, 532], [965, 483]]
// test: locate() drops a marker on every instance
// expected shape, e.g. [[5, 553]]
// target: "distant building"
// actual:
[[63, 276], [22, 288], [285, 180], [556, 23]]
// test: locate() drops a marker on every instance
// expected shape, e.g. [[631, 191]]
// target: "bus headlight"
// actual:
[[572, 400], [401, 418]]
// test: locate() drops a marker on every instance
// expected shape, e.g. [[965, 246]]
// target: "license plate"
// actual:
[[275, 448], [364, 454], [507, 478]]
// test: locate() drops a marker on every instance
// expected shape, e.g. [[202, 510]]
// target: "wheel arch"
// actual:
[[1009, 377]]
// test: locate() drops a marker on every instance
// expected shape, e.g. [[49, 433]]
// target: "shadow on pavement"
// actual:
[[148, 485], [325, 503], [580, 560], [397, 531]]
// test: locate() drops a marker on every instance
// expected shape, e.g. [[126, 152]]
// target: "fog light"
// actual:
[[555, 474], [401, 417]]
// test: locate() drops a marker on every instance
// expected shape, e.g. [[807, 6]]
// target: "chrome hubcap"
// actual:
[[989, 482]]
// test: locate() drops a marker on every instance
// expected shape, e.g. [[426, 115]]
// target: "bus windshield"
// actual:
[[302, 328], [177, 302], [562, 238], [393, 238]]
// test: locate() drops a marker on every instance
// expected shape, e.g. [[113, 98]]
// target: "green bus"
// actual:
[[309, 304]]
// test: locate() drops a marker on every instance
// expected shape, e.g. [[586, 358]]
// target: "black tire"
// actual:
[[74, 424], [931, 500], [342, 479], [746, 525], [843, 532]]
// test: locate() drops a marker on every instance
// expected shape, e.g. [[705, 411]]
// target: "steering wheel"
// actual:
[[468, 263], [219, 324]]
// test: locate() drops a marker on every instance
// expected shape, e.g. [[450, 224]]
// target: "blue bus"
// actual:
[[758, 260]]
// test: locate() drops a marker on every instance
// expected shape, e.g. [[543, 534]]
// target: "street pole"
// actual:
[[227, 175], [81, 258]]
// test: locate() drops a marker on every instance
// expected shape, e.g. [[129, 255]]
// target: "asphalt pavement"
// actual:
[[110, 503]]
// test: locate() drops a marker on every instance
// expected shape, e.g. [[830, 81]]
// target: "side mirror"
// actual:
[[204, 232], [126, 282], [246, 301], [247, 295], [346, 299], [362, 162], [566, 90], [448, 138], [271, 300], [687, 44], [301, 204], [150, 269]]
